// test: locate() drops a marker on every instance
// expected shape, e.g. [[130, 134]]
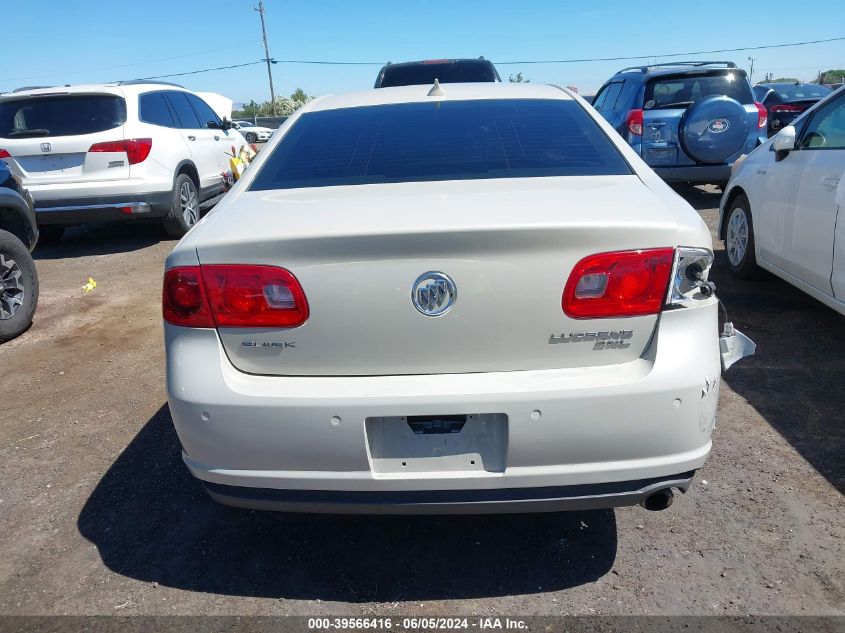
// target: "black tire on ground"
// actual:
[[18, 287], [739, 239], [250, 137], [50, 234], [184, 208]]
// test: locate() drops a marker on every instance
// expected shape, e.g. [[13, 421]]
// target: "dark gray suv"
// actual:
[[18, 278], [688, 120]]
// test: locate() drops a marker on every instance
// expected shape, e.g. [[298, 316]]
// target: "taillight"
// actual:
[[762, 115], [234, 296], [786, 108], [5, 154], [634, 122], [184, 300], [618, 284], [137, 149]]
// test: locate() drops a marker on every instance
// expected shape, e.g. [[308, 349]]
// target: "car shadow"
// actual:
[[795, 379], [150, 520], [700, 197], [102, 239]]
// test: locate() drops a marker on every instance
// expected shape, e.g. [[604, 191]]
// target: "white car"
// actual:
[[784, 208], [115, 152], [457, 298], [253, 133]]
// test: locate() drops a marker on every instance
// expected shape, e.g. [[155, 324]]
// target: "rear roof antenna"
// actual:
[[436, 90]]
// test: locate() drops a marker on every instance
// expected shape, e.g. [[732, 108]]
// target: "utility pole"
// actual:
[[260, 10]]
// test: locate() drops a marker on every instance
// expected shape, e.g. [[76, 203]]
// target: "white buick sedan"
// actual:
[[784, 208], [467, 298]]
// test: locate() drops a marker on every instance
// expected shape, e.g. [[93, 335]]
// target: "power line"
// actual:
[[585, 59], [710, 52], [204, 70], [504, 63], [149, 61]]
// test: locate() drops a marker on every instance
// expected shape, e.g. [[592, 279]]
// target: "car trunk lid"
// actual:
[[508, 245]]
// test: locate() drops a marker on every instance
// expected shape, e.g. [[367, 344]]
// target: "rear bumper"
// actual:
[[308, 443], [698, 174], [507, 500], [102, 208]]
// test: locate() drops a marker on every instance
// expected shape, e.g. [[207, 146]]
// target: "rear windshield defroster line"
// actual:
[[448, 140]]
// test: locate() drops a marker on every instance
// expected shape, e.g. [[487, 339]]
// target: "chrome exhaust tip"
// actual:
[[659, 500]]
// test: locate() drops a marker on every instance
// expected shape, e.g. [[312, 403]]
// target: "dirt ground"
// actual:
[[98, 515]]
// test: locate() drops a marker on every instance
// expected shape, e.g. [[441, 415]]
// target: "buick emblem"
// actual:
[[46, 147], [433, 293], [717, 126]]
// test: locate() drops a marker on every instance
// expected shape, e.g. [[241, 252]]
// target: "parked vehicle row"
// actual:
[[115, 152]]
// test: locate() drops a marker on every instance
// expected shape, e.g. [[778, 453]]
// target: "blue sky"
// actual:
[[61, 41]]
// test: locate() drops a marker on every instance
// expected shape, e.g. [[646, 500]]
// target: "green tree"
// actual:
[[783, 80], [518, 79], [832, 76], [285, 106]]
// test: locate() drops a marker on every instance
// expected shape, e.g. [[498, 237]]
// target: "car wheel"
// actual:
[[18, 287], [251, 137], [739, 239], [50, 234], [184, 209]]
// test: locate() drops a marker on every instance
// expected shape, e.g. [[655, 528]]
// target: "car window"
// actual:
[[680, 91], [442, 140], [424, 73], [826, 130], [204, 112], [153, 109], [601, 97], [796, 92], [185, 115], [608, 97], [61, 115]]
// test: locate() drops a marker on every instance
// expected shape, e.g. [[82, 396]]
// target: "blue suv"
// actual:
[[688, 120]]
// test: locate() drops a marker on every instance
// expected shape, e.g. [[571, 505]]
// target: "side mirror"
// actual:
[[784, 142], [227, 124]]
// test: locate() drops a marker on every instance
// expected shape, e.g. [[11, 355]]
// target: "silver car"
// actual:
[[458, 298]]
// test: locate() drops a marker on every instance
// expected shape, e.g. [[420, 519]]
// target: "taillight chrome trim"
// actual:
[[679, 293]]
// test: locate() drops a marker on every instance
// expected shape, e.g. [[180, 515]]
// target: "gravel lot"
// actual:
[[99, 516]]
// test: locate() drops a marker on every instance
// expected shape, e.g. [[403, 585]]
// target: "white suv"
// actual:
[[116, 151]]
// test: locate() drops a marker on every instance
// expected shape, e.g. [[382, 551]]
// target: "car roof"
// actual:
[[785, 83], [428, 62], [678, 68], [117, 88], [447, 92]]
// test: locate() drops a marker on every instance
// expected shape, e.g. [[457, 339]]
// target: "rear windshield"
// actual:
[[467, 71], [791, 92], [681, 91], [65, 115], [449, 140]]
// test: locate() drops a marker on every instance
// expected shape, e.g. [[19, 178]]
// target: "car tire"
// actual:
[[184, 210], [18, 287], [739, 239], [251, 137], [50, 234]]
